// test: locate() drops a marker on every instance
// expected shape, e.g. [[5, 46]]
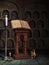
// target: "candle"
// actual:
[[6, 20]]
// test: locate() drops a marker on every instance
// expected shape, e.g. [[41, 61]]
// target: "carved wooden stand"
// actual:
[[21, 44]]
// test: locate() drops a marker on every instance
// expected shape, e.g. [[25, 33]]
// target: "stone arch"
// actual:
[[4, 33], [2, 44], [36, 33], [30, 34], [36, 15], [2, 23], [9, 24], [32, 24], [44, 15], [40, 24], [27, 15], [5, 12], [15, 5], [12, 34], [8, 6], [44, 33], [14, 15], [10, 43], [32, 44], [41, 44]]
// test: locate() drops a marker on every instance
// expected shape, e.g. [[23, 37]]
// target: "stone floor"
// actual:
[[39, 60]]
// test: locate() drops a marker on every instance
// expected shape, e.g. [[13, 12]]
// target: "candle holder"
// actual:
[[6, 24]]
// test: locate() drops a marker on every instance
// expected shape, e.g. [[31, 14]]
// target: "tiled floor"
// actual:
[[39, 60]]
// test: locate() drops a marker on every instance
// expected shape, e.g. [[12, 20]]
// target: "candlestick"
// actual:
[[6, 23], [6, 20]]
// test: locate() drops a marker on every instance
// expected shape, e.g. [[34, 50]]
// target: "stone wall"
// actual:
[[35, 12]]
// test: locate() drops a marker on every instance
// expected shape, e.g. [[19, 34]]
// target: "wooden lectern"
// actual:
[[21, 36]]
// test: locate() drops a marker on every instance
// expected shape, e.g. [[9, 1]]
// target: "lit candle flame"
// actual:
[[6, 20]]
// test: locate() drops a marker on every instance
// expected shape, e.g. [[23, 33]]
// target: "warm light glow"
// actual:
[[6, 20]]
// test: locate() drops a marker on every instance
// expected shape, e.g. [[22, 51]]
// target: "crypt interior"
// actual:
[[36, 13]]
